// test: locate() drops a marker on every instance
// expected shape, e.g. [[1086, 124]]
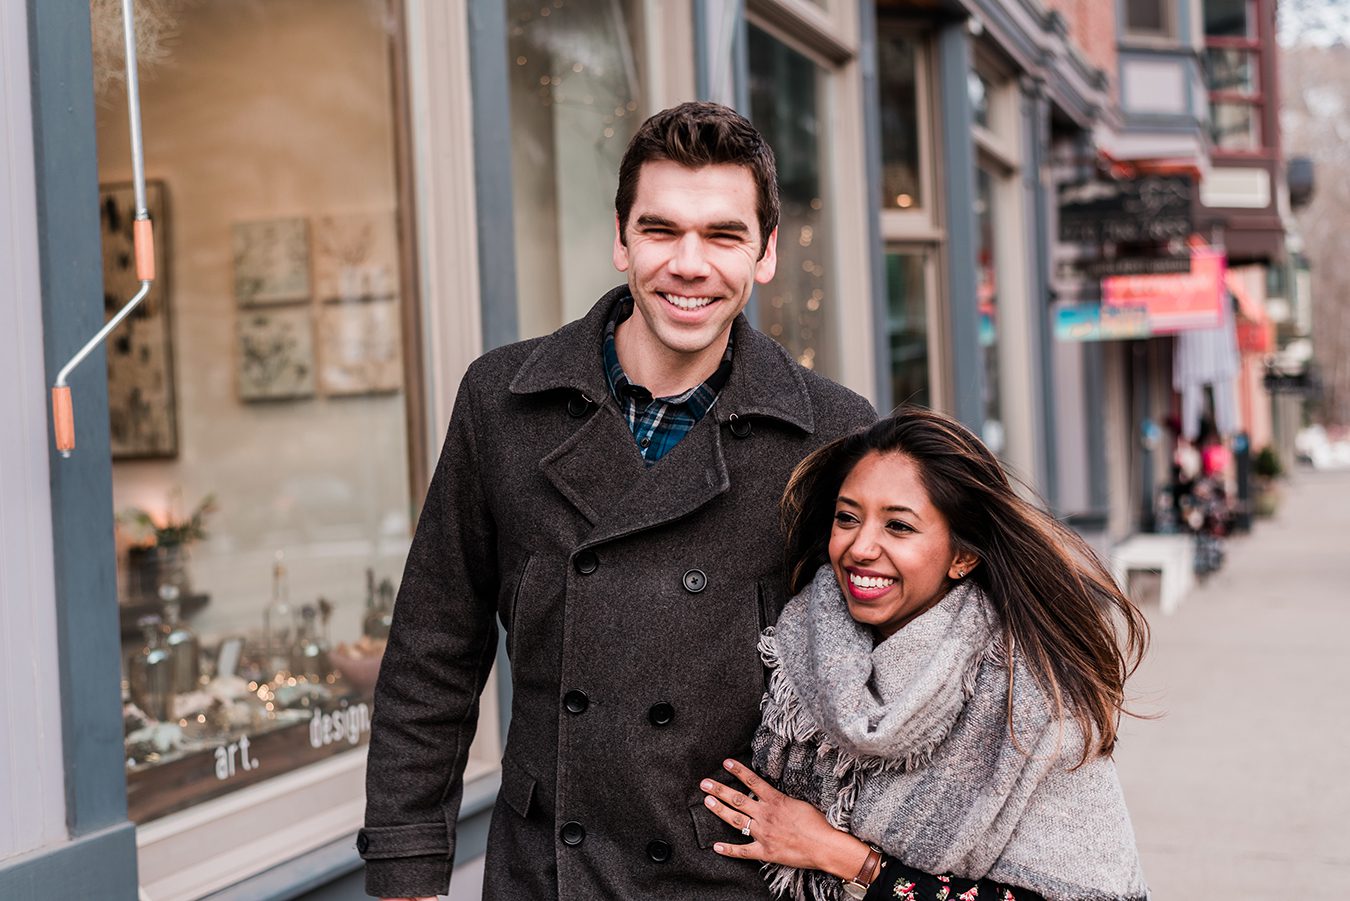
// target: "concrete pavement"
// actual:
[[1242, 787]]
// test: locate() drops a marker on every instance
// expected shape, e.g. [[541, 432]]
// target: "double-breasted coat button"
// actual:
[[578, 405], [572, 833], [740, 426], [661, 714], [658, 851], [576, 701], [362, 842], [695, 580], [586, 562]]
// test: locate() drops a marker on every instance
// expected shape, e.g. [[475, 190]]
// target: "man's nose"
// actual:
[[689, 260]]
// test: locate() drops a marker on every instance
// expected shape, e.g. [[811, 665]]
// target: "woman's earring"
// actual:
[[960, 574]]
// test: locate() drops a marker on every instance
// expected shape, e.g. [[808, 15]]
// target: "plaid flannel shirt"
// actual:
[[658, 423]]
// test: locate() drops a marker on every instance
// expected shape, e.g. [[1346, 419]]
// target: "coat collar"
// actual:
[[764, 379]]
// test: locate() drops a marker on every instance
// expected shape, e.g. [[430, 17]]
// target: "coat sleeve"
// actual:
[[441, 649]]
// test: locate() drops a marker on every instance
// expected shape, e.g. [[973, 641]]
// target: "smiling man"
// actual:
[[609, 494]]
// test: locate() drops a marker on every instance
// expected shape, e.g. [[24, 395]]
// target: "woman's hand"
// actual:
[[782, 829]]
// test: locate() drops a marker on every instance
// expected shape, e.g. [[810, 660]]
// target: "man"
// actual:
[[610, 494]]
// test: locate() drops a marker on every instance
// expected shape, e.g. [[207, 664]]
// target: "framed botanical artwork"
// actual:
[[355, 256], [275, 354], [271, 261], [360, 351], [142, 407]]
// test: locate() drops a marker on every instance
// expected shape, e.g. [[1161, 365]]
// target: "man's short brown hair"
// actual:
[[695, 135]]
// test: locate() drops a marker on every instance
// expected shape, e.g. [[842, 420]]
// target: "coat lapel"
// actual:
[[598, 467]]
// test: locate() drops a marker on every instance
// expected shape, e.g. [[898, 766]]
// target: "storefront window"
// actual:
[[900, 129], [907, 327], [978, 89], [787, 104], [986, 273], [575, 103], [261, 436]]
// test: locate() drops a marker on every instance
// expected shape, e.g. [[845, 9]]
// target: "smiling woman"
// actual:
[[951, 648], [890, 547]]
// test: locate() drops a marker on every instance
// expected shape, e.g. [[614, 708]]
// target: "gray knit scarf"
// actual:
[[906, 746]]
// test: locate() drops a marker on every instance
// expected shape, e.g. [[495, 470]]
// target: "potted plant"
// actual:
[[1266, 470], [159, 558]]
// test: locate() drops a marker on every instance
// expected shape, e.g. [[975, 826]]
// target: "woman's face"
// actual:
[[890, 548]]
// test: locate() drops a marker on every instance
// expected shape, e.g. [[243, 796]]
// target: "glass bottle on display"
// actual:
[[150, 673], [278, 619], [379, 616], [181, 643], [309, 656]]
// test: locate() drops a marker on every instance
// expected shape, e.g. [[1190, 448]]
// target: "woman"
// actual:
[[946, 687]]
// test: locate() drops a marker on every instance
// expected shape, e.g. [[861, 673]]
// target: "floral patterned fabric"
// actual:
[[898, 882]]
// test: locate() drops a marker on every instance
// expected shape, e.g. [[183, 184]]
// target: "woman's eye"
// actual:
[[896, 525], [844, 519]]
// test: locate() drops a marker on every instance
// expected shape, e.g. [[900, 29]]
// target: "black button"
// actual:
[[695, 581], [576, 701], [586, 562], [740, 426], [646, 443], [573, 833], [578, 405], [658, 851], [661, 714], [362, 842]]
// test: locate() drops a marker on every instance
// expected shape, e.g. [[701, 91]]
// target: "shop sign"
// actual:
[[1138, 266], [1176, 302], [1149, 209], [1095, 322], [1289, 382]]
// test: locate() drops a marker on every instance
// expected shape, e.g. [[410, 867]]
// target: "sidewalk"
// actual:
[[1242, 787]]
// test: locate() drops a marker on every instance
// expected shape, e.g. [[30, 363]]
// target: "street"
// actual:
[[1240, 788]]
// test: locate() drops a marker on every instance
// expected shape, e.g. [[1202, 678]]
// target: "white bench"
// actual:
[[1173, 556]]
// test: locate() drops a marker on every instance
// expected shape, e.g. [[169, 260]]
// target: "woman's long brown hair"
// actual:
[[1079, 636]]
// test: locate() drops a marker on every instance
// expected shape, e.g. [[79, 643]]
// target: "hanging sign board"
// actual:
[[1146, 210], [1094, 322], [1176, 302]]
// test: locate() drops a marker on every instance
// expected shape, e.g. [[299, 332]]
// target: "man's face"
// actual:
[[692, 255]]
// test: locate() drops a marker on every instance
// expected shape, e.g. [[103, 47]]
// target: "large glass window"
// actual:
[[575, 103], [898, 75], [907, 327], [261, 453], [788, 105], [986, 274]]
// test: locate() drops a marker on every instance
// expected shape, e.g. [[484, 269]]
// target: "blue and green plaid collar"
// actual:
[[658, 423]]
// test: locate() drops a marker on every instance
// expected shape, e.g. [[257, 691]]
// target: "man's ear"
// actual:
[[768, 264], [620, 249]]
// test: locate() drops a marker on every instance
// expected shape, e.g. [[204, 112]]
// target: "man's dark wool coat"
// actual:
[[632, 598]]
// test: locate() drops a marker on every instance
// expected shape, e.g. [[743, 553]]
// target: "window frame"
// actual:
[[831, 40], [1256, 99]]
